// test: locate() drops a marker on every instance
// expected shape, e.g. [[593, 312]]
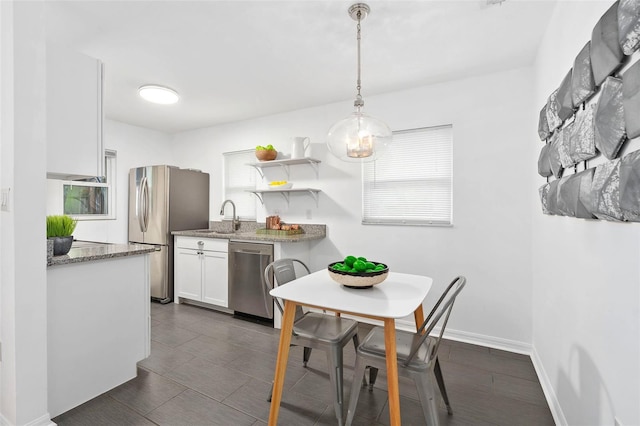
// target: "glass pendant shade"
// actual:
[[359, 138]]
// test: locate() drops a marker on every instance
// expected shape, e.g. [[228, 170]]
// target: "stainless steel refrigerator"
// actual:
[[163, 199]]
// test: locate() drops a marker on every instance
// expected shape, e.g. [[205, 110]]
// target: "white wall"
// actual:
[[136, 146], [490, 239], [23, 268], [586, 278]]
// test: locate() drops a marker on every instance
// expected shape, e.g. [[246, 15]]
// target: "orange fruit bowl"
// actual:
[[266, 154]]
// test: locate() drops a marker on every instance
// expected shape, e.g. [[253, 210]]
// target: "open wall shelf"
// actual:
[[314, 193], [284, 164]]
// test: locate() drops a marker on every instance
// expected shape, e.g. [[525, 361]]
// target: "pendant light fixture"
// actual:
[[359, 137]]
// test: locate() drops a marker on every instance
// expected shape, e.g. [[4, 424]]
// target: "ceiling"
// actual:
[[235, 60]]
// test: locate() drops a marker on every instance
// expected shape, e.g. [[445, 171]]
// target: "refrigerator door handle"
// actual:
[[143, 203]]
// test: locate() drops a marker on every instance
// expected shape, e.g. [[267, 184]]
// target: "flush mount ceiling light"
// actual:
[[359, 137], [158, 94]]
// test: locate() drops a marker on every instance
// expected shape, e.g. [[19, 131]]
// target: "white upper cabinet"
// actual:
[[74, 114]]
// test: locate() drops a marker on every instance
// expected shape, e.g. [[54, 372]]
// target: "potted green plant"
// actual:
[[60, 229]]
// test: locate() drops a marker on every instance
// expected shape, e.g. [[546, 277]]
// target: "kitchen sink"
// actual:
[[211, 231]]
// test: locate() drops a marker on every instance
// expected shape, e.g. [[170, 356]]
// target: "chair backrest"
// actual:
[[283, 271], [441, 310]]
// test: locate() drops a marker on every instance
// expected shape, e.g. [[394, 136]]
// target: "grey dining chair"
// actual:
[[316, 330], [417, 356]]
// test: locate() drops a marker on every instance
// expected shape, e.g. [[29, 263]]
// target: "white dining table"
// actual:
[[398, 296]]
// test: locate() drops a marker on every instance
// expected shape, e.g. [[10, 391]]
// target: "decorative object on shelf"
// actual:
[[358, 272], [629, 25], [60, 229], [605, 191], [280, 184], [582, 136], [582, 84], [606, 54], [266, 153], [543, 125], [299, 147], [359, 137], [630, 186], [563, 98], [631, 100], [609, 118]]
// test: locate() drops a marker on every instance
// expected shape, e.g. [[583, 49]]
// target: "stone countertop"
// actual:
[[86, 251], [247, 232]]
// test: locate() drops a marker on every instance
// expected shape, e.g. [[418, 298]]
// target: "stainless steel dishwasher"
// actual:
[[247, 293]]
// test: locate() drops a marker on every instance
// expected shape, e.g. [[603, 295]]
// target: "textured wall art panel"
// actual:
[[590, 116], [582, 137], [563, 98], [605, 191], [609, 118], [582, 83], [631, 100], [606, 53], [629, 25], [630, 186]]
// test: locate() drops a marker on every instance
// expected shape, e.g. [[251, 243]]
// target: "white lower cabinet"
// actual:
[[201, 270]]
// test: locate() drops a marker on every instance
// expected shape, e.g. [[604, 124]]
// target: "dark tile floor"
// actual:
[[208, 368]]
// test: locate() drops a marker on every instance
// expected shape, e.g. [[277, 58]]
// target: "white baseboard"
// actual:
[[43, 420], [547, 388], [488, 341]]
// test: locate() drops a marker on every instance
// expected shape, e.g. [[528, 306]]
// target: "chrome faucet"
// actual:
[[235, 222]]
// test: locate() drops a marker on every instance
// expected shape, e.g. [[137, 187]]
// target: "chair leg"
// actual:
[[270, 393], [305, 356], [424, 385], [438, 373], [358, 374], [373, 375], [356, 343], [334, 358]]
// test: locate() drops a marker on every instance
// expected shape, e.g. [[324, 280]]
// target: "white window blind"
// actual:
[[411, 184], [238, 179]]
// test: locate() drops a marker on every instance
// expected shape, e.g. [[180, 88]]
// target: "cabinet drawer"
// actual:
[[207, 244]]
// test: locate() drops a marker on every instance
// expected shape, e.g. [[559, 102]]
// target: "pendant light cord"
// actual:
[[358, 103]]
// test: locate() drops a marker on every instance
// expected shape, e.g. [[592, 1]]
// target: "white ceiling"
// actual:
[[234, 60]]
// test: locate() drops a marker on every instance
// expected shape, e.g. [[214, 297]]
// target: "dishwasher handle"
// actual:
[[250, 251]]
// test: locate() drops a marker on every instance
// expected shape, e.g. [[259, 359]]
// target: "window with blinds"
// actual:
[[238, 179], [412, 183]]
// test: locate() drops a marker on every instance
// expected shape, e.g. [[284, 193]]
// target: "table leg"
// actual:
[[418, 315], [392, 370], [281, 363]]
